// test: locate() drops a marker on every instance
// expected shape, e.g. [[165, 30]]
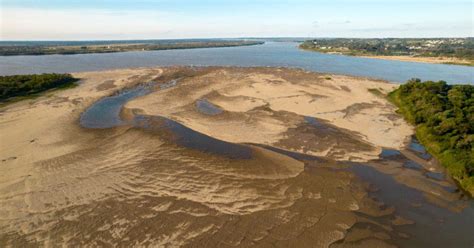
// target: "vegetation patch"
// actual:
[[376, 92], [30, 85], [77, 47], [461, 49], [444, 118]]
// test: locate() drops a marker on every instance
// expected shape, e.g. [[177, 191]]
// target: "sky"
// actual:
[[172, 19]]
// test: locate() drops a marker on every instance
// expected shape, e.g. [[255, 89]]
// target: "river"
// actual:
[[278, 54]]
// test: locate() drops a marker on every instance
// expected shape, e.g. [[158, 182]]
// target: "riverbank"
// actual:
[[431, 60], [457, 51], [447, 137], [416, 59]]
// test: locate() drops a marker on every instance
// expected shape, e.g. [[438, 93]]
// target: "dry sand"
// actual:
[[263, 105], [431, 60], [64, 185]]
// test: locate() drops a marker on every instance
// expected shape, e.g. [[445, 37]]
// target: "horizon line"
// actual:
[[244, 37]]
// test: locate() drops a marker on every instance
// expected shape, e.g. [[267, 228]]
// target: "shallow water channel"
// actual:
[[105, 113]]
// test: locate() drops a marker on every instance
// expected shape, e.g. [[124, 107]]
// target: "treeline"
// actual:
[[462, 48], [24, 85], [11, 50], [444, 119]]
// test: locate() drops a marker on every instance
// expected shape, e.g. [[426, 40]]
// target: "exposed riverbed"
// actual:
[[162, 158], [409, 212]]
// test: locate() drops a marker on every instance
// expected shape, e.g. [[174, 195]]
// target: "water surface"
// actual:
[[435, 226], [205, 107], [275, 54], [105, 113]]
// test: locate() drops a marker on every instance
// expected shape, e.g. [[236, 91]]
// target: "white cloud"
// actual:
[[84, 24], [21, 23]]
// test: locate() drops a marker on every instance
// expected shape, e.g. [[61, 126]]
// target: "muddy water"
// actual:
[[437, 222]]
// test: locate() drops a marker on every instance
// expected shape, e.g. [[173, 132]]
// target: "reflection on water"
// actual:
[[389, 153], [419, 149]]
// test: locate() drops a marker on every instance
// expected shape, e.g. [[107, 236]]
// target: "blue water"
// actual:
[[106, 112], [389, 153], [419, 149], [280, 54]]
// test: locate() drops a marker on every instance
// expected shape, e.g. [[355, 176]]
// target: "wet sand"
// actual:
[[298, 168]]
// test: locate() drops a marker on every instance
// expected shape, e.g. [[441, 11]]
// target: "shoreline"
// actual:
[[403, 58], [429, 60]]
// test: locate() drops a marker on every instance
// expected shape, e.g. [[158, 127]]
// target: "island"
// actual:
[[82, 47], [459, 51]]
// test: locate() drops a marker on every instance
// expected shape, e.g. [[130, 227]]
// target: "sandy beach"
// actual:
[[431, 60], [142, 185]]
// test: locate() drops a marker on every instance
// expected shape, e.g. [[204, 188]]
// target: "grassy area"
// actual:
[[20, 87], [444, 119]]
